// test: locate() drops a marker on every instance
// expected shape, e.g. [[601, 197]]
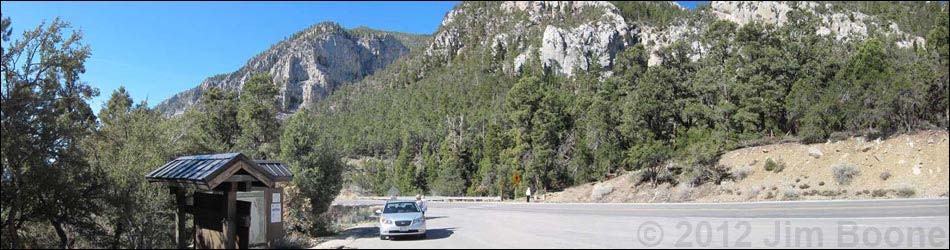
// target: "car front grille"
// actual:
[[403, 232], [403, 223]]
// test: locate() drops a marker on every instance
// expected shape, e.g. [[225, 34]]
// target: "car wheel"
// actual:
[[382, 237]]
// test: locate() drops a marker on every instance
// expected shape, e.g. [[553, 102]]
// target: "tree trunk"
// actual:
[[61, 232], [119, 228], [13, 229]]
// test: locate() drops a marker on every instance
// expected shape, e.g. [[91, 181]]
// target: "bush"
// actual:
[[684, 193], [741, 173], [753, 193], [600, 190], [886, 175], [774, 166], [906, 191], [699, 175], [845, 173], [829, 193], [292, 241], [656, 175], [790, 194], [879, 193]]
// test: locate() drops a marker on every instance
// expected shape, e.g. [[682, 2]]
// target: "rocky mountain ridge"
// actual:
[[562, 36], [309, 65], [844, 25]]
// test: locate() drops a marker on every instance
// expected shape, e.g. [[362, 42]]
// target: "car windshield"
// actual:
[[400, 207]]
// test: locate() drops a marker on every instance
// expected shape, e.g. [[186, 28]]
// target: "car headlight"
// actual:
[[419, 220], [385, 221]]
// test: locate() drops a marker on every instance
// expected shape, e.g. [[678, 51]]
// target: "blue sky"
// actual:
[[157, 49]]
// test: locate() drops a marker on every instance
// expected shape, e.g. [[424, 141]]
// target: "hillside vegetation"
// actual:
[[467, 126]]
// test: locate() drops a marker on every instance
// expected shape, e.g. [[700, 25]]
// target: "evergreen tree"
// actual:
[[317, 171], [131, 141], [257, 118], [212, 125], [45, 177]]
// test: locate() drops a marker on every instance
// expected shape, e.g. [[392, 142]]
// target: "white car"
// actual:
[[401, 218]]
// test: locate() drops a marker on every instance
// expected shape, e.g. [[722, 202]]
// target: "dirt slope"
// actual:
[[916, 166]]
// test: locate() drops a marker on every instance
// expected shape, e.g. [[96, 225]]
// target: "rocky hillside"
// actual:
[[563, 35], [839, 20], [310, 64], [906, 166]]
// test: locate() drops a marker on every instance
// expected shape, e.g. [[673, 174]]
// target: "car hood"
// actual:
[[403, 216]]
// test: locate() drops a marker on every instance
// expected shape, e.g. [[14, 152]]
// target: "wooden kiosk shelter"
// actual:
[[235, 200]]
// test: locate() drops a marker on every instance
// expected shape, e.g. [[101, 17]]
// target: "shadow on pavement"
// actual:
[[358, 233], [442, 233], [431, 234], [435, 217]]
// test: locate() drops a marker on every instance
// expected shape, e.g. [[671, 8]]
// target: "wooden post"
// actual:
[[230, 226], [180, 202]]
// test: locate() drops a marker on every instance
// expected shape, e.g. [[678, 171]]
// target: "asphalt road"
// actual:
[[807, 224]]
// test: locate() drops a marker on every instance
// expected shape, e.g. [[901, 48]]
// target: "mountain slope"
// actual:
[[310, 64], [561, 92]]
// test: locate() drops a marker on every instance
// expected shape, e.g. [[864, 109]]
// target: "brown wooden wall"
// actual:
[[210, 214]]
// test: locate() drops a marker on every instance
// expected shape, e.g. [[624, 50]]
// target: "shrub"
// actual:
[[886, 175], [845, 173], [753, 193], [906, 191], [821, 183], [879, 193], [657, 175], [600, 190], [804, 186], [774, 166], [741, 173], [292, 240], [684, 193], [829, 193], [701, 174], [790, 194]]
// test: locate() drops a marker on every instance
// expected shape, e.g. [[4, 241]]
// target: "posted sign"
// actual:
[[275, 213]]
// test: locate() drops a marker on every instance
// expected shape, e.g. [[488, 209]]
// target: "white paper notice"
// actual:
[[275, 214], [276, 198]]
